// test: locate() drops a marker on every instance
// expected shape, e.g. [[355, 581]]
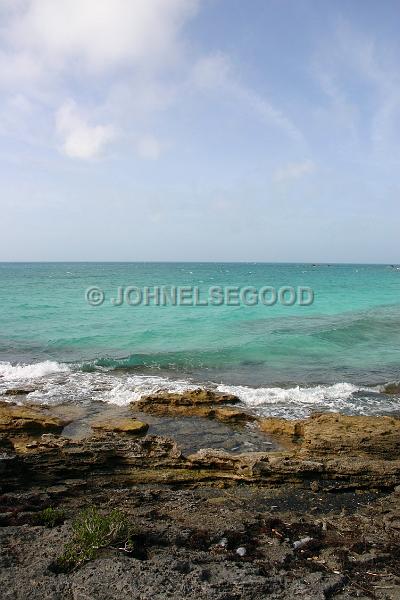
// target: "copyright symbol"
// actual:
[[94, 296]]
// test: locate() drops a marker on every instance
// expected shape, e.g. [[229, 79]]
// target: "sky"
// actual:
[[185, 130]]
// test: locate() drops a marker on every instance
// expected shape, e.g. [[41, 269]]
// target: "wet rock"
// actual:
[[132, 426], [197, 402], [392, 388], [189, 398], [226, 414], [16, 420]]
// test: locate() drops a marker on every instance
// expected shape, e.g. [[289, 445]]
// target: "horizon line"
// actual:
[[264, 262]]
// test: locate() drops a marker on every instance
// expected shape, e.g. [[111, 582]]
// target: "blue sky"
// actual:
[[200, 130]]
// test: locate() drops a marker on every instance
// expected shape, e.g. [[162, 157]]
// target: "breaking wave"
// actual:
[[51, 382]]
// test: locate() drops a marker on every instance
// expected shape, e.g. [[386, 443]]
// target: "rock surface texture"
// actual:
[[318, 519]]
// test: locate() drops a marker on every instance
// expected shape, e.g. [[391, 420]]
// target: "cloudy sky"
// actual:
[[200, 130]]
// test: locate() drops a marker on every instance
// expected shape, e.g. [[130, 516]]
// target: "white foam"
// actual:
[[12, 373], [297, 395], [299, 401], [134, 387], [55, 383]]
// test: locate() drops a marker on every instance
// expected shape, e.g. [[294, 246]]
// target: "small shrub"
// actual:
[[92, 531], [50, 517]]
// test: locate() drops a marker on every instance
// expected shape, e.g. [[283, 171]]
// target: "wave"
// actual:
[[22, 372], [55, 383], [301, 401]]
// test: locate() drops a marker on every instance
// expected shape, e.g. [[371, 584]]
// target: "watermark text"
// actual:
[[181, 295]]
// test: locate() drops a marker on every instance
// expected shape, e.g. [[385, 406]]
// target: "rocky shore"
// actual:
[[312, 509]]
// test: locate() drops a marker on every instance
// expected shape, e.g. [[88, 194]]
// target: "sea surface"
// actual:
[[334, 354]]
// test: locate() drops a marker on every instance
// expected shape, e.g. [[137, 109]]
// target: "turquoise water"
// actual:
[[53, 340]]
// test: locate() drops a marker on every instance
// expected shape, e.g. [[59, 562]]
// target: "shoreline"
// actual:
[[316, 514], [52, 383]]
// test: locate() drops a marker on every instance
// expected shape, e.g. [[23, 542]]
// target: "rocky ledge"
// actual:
[[199, 403], [331, 451], [318, 518], [17, 420]]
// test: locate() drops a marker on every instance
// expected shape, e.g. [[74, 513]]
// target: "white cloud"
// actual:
[[100, 34], [295, 170], [148, 147], [119, 49], [81, 140], [215, 73]]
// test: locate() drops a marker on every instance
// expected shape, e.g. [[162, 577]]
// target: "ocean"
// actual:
[[288, 360]]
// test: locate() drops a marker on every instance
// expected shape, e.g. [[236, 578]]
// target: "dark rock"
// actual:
[[392, 388], [17, 392]]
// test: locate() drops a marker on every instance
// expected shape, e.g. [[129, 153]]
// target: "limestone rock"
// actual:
[[197, 402], [336, 433], [189, 398], [227, 414], [281, 427], [326, 433], [132, 426], [17, 420]]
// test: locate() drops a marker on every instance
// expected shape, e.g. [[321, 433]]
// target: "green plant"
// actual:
[[92, 531], [50, 517]]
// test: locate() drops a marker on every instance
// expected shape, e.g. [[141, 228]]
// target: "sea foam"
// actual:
[[56, 383], [25, 372]]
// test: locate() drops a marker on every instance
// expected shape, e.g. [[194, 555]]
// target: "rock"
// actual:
[[192, 402], [300, 543], [334, 453], [110, 457], [127, 425], [281, 427], [17, 392], [241, 551], [5, 442], [57, 490], [332, 472], [226, 414], [191, 397], [392, 388], [336, 433], [326, 433], [241, 466], [16, 420], [199, 403]]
